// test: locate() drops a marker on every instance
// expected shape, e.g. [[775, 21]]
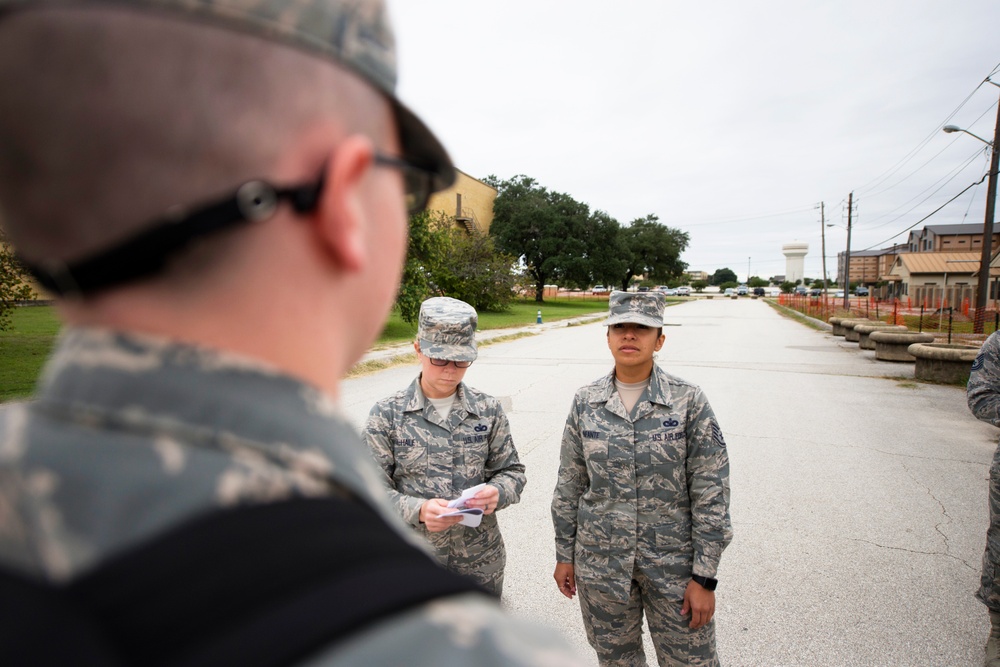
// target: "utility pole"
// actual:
[[991, 199], [822, 233], [748, 270], [847, 256]]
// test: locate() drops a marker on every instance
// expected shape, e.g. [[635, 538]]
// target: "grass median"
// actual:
[[25, 346]]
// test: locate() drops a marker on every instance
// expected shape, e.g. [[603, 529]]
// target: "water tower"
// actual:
[[795, 254]]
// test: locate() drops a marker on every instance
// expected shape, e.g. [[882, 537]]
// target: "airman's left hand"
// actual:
[[700, 603], [486, 499]]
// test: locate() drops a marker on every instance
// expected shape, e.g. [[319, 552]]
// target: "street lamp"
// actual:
[[991, 198]]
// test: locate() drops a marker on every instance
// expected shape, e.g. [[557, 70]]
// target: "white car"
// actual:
[[600, 289], [683, 290]]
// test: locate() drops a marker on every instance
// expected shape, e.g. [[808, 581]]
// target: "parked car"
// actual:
[[643, 289], [801, 290], [839, 294], [758, 291], [599, 289], [742, 290], [683, 290], [730, 291], [670, 291], [815, 292], [860, 290]]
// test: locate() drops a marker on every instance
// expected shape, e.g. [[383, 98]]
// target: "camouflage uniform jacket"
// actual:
[[650, 489], [131, 435], [983, 393], [424, 456], [983, 389]]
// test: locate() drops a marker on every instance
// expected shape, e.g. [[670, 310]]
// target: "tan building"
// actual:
[[469, 203], [697, 275], [869, 266], [950, 238], [935, 279]]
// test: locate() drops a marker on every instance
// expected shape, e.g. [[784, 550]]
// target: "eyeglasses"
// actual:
[[147, 252], [418, 181], [445, 362]]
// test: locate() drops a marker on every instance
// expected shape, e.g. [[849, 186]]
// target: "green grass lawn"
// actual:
[[25, 346], [521, 313], [23, 349]]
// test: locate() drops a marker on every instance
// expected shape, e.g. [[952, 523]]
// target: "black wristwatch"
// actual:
[[707, 583]]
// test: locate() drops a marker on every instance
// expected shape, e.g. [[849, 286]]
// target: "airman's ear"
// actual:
[[659, 342], [341, 213]]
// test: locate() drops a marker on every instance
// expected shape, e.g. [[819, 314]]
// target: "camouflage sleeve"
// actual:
[[376, 436], [572, 482], [708, 487], [983, 390], [504, 469]]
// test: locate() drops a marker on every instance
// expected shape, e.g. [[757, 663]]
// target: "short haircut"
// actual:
[[122, 114]]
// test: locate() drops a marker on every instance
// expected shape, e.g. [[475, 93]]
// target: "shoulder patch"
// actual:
[[979, 362], [717, 436]]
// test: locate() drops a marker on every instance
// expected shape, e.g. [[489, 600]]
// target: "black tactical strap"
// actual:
[[254, 586]]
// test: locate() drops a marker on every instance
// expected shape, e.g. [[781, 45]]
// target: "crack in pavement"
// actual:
[[914, 551]]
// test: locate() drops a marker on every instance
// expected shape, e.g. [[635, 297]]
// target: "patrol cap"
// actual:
[[352, 33], [447, 329], [636, 308]]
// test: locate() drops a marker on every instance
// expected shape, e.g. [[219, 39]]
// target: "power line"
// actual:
[[937, 185], [964, 190], [884, 176]]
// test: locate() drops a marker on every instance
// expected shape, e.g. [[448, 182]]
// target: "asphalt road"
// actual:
[[858, 496]]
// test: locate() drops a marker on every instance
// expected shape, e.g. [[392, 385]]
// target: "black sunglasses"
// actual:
[[147, 252]]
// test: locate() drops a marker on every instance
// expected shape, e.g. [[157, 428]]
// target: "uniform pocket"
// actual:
[[595, 449], [411, 458]]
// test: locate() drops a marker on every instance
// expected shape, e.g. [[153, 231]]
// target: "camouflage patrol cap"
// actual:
[[447, 329], [352, 33], [636, 308]]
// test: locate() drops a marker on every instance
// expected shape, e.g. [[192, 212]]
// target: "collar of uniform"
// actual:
[[657, 392], [416, 400]]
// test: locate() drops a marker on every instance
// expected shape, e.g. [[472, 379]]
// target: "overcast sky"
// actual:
[[729, 120]]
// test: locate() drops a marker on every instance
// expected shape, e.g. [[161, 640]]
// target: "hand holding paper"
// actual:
[[471, 516]]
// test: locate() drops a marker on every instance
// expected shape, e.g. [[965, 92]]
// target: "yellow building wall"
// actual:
[[477, 201]]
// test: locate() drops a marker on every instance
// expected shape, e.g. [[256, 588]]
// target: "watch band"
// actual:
[[707, 583]]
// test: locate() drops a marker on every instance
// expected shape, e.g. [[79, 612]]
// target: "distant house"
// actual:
[[935, 279], [950, 238]]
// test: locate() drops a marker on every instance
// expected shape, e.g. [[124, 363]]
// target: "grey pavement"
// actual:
[[858, 495]]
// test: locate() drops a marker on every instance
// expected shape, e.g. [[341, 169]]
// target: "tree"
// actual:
[[653, 250], [757, 281], [476, 272], [726, 275], [14, 285], [425, 253], [545, 230], [605, 252], [699, 285], [787, 287]]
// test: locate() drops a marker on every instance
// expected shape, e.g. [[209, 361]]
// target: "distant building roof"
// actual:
[[941, 262], [969, 228]]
